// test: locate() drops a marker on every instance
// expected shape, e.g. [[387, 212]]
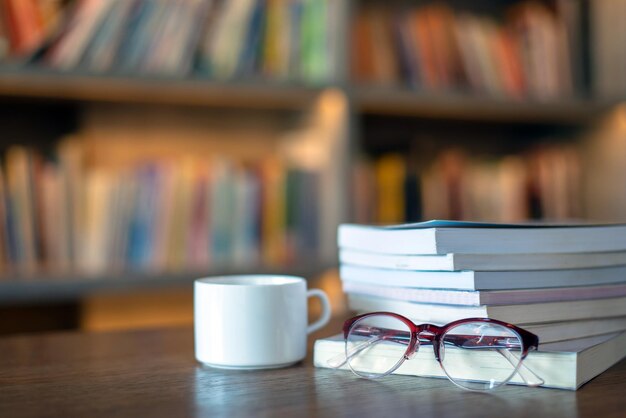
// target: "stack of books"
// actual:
[[566, 284]]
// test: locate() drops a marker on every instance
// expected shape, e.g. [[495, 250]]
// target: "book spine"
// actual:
[[430, 280], [22, 212], [445, 297]]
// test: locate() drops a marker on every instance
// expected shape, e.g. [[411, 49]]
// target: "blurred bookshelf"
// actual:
[[190, 91], [334, 89]]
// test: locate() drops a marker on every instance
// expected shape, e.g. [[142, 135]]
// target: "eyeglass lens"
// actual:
[[479, 355], [375, 345]]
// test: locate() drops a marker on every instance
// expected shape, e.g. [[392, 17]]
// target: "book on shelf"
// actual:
[[390, 172], [4, 40], [482, 262], [484, 297], [373, 53], [443, 237], [94, 253], [86, 18], [23, 246], [562, 365], [608, 58], [100, 53], [25, 24], [483, 280], [529, 313]]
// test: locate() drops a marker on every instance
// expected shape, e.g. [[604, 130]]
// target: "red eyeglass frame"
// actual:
[[432, 333]]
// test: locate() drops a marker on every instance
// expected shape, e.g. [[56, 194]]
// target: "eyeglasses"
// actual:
[[475, 353]]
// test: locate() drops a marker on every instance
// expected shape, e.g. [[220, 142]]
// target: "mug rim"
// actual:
[[250, 280]]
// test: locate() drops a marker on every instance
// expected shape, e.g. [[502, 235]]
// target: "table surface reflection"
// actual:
[[153, 373]]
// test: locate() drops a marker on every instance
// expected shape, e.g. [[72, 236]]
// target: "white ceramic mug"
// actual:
[[253, 321]]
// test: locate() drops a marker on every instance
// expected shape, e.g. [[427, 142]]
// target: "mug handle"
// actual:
[[325, 310]]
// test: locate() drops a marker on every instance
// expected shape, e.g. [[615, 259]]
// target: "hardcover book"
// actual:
[[533, 313], [443, 237], [483, 262], [485, 297], [484, 280]]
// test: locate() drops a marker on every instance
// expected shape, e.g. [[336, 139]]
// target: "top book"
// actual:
[[444, 237]]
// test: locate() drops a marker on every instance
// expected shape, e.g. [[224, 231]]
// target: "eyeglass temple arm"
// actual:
[[528, 376], [340, 359], [388, 335]]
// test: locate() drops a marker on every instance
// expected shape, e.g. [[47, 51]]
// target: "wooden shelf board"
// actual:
[[157, 90], [46, 287], [403, 102], [41, 84]]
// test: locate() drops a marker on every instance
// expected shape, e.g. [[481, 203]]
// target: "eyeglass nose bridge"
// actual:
[[429, 335]]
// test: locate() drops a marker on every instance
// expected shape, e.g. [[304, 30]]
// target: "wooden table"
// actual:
[[152, 373]]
